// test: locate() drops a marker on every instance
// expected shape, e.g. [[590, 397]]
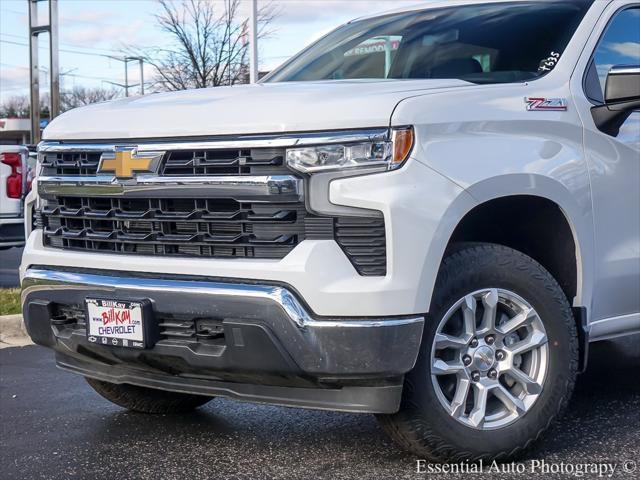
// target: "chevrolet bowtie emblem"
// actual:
[[126, 160]]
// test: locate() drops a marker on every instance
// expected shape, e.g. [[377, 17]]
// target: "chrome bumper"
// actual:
[[270, 337]]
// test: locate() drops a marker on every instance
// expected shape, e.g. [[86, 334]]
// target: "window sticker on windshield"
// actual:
[[548, 64]]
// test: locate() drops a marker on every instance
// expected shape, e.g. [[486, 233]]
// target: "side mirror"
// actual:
[[621, 97]]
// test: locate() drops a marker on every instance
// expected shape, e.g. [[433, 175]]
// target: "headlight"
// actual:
[[386, 154]]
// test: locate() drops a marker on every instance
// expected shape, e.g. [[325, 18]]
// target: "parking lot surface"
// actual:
[[54, 426]]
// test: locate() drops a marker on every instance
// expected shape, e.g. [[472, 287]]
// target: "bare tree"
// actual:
[[210, 44], [15, 107], [79, 96], [18, 107]]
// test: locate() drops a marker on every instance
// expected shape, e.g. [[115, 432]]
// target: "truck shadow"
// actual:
[[602, 405]]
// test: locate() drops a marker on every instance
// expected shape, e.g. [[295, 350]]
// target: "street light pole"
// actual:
[[253, 35], [141, 76], [35, 29], [54, 62], [34, 73]]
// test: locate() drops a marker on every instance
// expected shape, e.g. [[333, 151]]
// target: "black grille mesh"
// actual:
[[225, 162], [189, 227], [364, 242], [70, 163], [257, 161], [213, 228]]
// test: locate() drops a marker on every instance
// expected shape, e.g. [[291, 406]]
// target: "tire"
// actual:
[[147, 400], [430, 422]]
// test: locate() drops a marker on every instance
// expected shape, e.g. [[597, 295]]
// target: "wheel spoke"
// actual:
[[520, 320], [459, 401], [448, 341], [534, 340], [513, 403], [529, 384], [489, 320], [440, 367], [477, 414], [490, 303], [469, 314]]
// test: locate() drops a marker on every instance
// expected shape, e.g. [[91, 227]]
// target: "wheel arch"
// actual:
[[523, 189]]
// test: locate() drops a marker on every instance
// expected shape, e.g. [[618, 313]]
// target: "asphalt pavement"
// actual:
[[9, 263], [52, 425]]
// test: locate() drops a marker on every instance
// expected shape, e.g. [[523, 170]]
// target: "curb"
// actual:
[[12, 331]]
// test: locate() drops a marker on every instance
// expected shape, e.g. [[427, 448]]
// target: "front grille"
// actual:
[[264, 161], [189, 330], [70, 163], [256, 161], [217, 227], [188, 227]]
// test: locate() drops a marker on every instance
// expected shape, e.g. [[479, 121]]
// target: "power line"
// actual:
[[12, 11], [21, 37], [42, 69], [65, 50]]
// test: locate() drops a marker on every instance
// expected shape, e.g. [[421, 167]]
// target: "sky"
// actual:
[[92, 30]]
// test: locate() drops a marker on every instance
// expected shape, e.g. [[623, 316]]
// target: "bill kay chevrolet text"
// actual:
[[427, 215]]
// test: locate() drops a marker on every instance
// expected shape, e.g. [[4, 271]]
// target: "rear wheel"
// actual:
[[498, 359], [147, 400]]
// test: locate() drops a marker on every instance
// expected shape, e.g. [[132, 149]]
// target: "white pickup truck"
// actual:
[[426, 215], [14, 184]]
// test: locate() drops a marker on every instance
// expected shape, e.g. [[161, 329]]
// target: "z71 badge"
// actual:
[[545, 104]]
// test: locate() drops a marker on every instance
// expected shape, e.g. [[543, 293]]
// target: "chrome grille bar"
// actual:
[[274, 188]]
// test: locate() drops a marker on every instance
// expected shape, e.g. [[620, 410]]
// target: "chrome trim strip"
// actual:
[[240, 142], [625, 70], [282, 188], [39, 279]]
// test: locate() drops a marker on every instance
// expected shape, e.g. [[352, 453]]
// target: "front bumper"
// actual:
[[273, 348]]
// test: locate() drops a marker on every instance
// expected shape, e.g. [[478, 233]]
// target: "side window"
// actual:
[[620, 45]]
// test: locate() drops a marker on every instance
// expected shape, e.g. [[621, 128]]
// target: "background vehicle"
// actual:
[[419, 216], [14, 184]]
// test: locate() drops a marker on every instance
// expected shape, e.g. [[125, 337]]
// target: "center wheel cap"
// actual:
[[483, 358]]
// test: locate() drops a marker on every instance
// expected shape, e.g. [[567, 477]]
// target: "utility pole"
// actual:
[[54, 75], [126, 85], [253, 36], [126, 77]]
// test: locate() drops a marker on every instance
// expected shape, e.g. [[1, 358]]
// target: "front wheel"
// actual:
[[147, 400], [498, 359]]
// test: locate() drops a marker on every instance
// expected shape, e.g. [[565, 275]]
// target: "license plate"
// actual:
[[118, 323]]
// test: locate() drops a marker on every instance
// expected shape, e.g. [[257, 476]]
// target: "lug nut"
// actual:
[[473, 343], [466, 360], [500, 355], [492, 374], [489, 339], [475, 376]]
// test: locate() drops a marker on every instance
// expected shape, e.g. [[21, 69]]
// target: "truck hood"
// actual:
[[244, 109]]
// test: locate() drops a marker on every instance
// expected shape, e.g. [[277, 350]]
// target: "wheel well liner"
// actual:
[[530, 225]]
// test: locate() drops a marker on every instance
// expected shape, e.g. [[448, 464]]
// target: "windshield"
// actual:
[[483, 43]]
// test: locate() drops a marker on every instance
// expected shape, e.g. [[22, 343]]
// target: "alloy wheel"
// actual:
[[489, 358]]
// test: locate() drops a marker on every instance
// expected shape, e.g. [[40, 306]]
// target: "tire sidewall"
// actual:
[[539, 289]]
